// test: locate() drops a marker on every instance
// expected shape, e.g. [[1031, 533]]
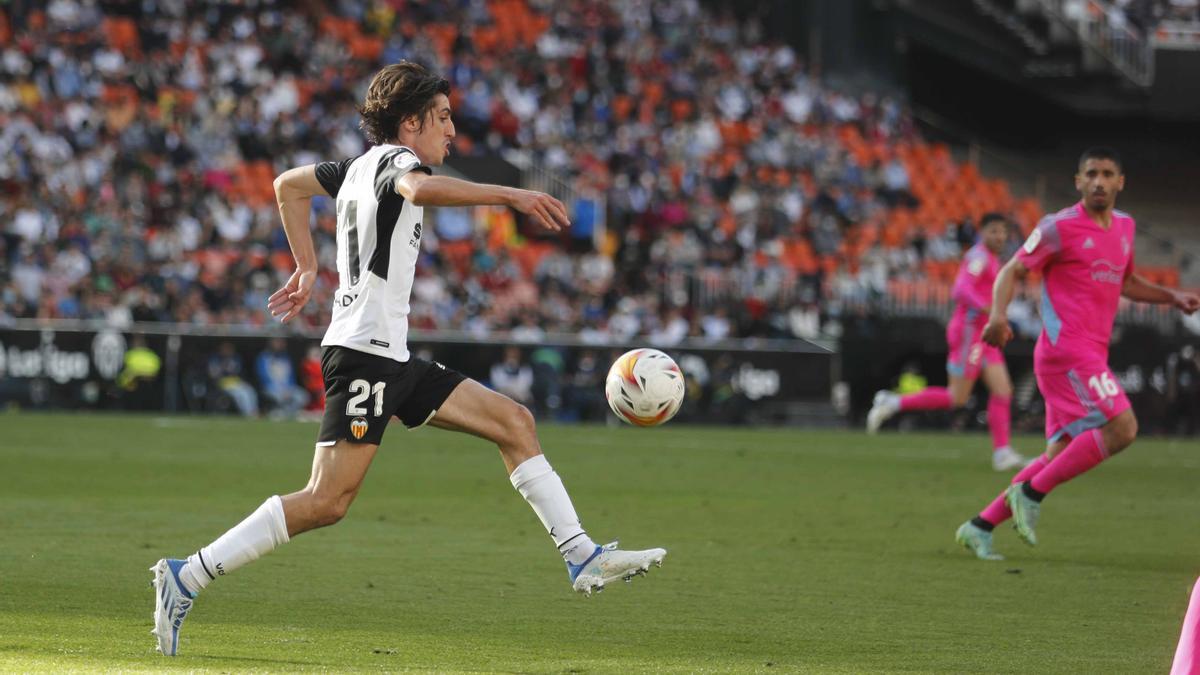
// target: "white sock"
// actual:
[[259, 533], [543, 489]]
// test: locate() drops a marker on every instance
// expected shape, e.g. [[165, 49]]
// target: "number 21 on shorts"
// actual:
[[361, 390], [1103, 385]]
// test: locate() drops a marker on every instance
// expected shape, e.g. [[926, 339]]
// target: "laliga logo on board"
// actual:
[[358, 427]]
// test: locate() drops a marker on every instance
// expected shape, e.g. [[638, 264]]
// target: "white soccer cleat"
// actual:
[[609, 563], [885, 405], [171, 604], [1007, 459]]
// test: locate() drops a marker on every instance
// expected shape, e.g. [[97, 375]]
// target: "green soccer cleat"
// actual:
[[977, 540], [1024, 512]]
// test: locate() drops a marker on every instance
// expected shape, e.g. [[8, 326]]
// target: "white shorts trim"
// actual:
[[431, 414]]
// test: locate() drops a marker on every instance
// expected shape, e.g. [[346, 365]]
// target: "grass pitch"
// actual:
[[789, 551]]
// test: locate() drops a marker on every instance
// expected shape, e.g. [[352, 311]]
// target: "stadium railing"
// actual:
[[1127, 52]]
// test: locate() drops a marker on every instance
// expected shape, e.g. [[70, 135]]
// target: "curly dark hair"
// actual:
[[396, 93]]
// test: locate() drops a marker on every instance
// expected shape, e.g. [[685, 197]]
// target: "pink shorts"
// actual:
[[1084, 397], [968, 353]]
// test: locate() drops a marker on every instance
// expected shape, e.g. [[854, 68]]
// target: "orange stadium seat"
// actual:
[[622, 105], [486, 39], [443, 36], [342, 29], [366, 48], [458, 254], [798, 255], [122, 35], [529, 255], [5, 29]]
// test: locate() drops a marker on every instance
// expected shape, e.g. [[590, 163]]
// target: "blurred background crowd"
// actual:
[[720, 185], [722, 189]]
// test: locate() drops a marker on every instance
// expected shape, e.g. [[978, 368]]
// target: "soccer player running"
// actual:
[[1085, 254], [370, 376], [969, 357]]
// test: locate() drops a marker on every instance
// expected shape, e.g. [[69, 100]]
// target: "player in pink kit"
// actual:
[[969, 357], [1085, 254]]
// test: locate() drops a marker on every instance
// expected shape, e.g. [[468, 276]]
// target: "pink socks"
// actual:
[[999, 417], [1085, 451], [997, 512], [930, 398], [1186, 661]]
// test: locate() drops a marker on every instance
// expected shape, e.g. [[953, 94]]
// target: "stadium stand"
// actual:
[[741, 194]]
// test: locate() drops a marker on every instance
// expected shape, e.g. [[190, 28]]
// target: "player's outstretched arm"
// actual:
[[294, 190], [1138, 289], [424, 190], [997, 332]]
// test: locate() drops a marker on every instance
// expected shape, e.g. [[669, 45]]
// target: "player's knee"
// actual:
[[1122, 433], [328, 510], [332, 512], [520, 423]]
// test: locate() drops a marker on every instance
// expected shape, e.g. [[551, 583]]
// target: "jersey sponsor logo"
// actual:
[[1088, 243], [358, 427], [1108, 273], [345, 299], [1032, 242], [1124, 245], [380, 343], [975, 267], [415, 240]]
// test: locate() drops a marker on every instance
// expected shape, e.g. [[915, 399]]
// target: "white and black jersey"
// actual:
[[378, 241]]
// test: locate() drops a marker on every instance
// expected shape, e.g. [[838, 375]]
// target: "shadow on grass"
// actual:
[[264, 660]]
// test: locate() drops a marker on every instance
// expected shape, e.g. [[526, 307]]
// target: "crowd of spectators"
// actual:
[[741, 196], [1147, 15]]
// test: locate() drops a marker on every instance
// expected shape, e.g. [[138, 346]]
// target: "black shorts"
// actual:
[[364, 391]]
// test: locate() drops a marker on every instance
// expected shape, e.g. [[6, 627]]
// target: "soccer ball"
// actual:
[[644, 387]]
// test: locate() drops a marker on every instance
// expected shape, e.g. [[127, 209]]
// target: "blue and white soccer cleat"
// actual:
[[171, 604], [609, 563]]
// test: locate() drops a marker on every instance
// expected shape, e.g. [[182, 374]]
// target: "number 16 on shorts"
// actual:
[[1103, 386]]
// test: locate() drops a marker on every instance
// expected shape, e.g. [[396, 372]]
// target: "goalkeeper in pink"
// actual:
[[1085, 255], [969, 357]]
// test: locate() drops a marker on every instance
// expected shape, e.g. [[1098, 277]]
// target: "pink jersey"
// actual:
[[1084, 267], [973, 286]]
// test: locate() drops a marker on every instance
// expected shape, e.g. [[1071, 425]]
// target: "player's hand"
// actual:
[[997, 332], [1187, 303], [287, 302], [545, 210]]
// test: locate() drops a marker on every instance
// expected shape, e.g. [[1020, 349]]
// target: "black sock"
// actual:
[[982, 524], [1031, 493]]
